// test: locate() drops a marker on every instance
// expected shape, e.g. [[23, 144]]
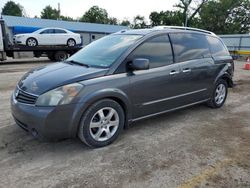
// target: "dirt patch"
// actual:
[[197, 146]]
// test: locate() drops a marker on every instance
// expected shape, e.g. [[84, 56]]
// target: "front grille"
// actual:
[[24, 97]]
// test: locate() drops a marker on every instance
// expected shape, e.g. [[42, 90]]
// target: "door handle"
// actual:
[[173, 72], [186, 70]]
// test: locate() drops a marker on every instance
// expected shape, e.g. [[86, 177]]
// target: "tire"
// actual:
[[219, 94], [60, 56], [95, 131], [31, 42], [51, 56], [71, 43]]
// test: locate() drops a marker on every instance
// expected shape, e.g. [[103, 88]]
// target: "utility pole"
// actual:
[[186, 20], [186, 17], [59, 11]]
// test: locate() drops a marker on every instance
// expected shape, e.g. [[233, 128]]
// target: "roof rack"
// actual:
[[183, 28]]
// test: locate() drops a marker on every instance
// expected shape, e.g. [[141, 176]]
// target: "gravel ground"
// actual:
[[194, 147]]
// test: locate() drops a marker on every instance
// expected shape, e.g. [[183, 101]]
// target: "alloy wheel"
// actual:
[[104, 124], [71, 42], [220, 94], [32, 42]]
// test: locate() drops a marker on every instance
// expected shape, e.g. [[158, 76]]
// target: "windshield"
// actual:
[[39, 30], [105, 51]]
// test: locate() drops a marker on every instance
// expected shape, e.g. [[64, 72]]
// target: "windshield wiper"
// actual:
[[77, 63]]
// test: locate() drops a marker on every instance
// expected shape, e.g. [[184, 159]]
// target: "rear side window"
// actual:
[[217, 48], [188, 46], [59, 31], [157, 50]]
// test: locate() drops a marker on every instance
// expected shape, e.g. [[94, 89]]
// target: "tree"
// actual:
[[113, 21], [66, 18], [95, 15], [125, 22], [188, 11], [139, 22], [166, 18], [13, 9], [50, 13], [226, 16]]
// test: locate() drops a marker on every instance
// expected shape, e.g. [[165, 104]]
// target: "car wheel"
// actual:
[[60, 56], [71, 42], [31, 42], [219, 94], [101, 123], [51, 56]]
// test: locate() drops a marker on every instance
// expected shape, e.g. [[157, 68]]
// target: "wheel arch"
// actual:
[[117, 95], [225, 76], [71, 38], [31, 37]]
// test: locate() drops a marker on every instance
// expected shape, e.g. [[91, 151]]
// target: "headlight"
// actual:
[[18, 37], [59, 96]]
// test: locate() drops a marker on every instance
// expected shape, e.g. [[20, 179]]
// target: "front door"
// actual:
[[46, 37], [155, 90]]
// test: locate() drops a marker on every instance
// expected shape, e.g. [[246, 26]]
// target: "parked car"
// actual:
[[48, 36], [122, 78]]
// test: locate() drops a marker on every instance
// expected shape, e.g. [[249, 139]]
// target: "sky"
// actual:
[[121, 9]]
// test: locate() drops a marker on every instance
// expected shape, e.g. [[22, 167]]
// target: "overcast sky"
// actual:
[[116, 8]]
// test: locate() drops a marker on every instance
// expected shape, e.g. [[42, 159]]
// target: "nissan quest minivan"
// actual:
[[122, 78]]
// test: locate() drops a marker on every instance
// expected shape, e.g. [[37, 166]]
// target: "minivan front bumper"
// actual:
[[49, 123]]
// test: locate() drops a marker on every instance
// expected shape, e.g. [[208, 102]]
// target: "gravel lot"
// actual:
[[194, 147]]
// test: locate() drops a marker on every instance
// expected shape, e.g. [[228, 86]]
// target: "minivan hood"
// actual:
[[45, 78]]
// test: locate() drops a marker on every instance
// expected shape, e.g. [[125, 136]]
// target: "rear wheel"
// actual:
[[219, 94], [71, 42], [31, 42], [51, 56], [101, 123]]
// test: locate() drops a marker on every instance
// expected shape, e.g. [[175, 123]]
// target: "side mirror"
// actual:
[[139, 64]]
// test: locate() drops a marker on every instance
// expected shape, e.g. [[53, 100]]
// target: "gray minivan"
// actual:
[[122, 78]]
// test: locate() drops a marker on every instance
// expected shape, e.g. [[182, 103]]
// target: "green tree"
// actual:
[[113, 21], [50, 13], [188, 10], [95, 15], [226, 16], [139, 22], [166, 18], [126, 23], [66, 18], [13, 9]]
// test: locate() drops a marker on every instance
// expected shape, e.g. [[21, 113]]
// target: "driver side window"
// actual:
[[157, 50], [47, 31]]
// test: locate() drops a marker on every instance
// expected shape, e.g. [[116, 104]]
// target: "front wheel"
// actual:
[[31, 42], [219, 94], [101, 123]]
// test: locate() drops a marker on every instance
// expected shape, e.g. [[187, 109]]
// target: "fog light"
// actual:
[[34, 133]]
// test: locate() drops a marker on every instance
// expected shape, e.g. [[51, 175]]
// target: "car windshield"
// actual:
[[39, 30], [105, 51]]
